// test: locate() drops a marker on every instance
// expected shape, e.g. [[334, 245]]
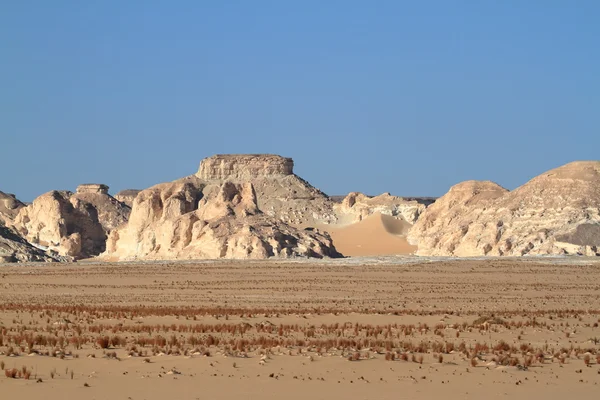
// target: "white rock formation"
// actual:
[[356, 206], [72, 224], [9, 208], [554, 213], [191, 219]]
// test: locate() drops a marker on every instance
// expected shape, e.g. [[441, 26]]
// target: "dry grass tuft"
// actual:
[[11, 373]]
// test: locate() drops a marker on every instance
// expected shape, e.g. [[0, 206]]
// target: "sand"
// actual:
[[305, 329], [375, 235]]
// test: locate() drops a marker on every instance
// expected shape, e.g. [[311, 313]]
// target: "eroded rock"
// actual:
[[544, 216], [72, 224]]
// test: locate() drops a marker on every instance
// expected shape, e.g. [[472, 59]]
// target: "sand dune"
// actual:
[[375, 235]]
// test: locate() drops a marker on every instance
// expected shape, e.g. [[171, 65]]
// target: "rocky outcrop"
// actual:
[[554, 213], [127, 196], [356, 206], [279, 192], [192, 218], [72, 224], [96, 188], [9, 208], [244, 167], [14, 248]]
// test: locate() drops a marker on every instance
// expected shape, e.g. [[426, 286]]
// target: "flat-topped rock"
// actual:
[[244, 167], [92, 188]]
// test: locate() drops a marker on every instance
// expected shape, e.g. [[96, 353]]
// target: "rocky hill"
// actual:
[[557, 212], [189, 218]]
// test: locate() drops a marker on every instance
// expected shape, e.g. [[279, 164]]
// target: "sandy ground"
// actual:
[[375, 235], [362, 328]]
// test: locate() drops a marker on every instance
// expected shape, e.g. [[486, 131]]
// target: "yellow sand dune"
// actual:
[[375, 235]]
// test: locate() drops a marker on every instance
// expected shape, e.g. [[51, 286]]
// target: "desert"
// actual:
[[244, 280], [299, 200], [378, 327]]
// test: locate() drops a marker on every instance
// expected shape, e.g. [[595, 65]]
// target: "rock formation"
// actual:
[[14, 248], [356, 206], [557, 212], [9, 208], [244, 167], [127, 196], [72, 224], [279, 192], [193, 218], [242, 206]]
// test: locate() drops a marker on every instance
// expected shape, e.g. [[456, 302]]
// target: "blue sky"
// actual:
[[408, 97]]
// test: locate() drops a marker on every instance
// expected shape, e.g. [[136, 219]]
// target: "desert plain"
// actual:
[[359, 328]]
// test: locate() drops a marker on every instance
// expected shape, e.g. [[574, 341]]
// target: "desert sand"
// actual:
[[359, 328], [377, 234]]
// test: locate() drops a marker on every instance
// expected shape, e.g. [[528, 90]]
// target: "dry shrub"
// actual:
[[11, 373], [587, 359], [103, 342], [473, 362]]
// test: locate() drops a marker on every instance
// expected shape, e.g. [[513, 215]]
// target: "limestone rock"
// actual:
[[9, 208], [356, 206], [554, 213], [127, 196], [244, 166], [97, 188], [279, 192], [72, 224], [192, 218], [14, 248]]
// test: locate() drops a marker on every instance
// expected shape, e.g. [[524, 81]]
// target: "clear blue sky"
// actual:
[[408, 97]]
